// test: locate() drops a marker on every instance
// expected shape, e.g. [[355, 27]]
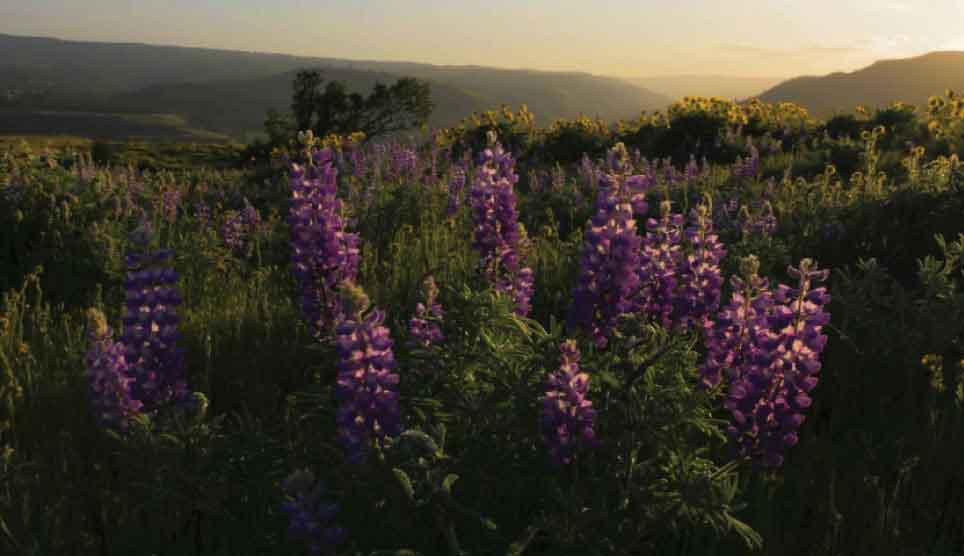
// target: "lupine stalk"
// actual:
[[109, 376], [748, 167], [731, 338], [608, 275], [498, 234], [150, 326], [424, 326], [367, 383], [323, 253], [699, 276], [760, 224], [660, 262], [568, 417], [240, 228], [232, 231], [768, 347]]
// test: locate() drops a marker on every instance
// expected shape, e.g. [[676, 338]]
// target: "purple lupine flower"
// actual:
[[403, 162], [309, 515], [232, 231], [670, 174], [520, 288], [424, 326], [692, 169], [770, 378], [109, 376], [731, 338], [240, 229], [761, 223], [150, 325], [323, 253], [367, 385], [498, 234], [608, 275], [748, 167], [660, 263], [567, 415], [699, 274], [617, 159], [795, 343]]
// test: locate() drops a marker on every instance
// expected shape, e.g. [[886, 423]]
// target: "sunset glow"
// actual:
[[614, 37]]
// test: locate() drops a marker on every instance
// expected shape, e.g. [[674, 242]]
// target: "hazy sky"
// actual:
[[617, 37]]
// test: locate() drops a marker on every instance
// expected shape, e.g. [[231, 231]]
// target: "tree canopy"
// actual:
[[328, 107]]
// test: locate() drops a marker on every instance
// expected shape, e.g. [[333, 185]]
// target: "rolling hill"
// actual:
[[910, 80], [230, 91], [723, 86]]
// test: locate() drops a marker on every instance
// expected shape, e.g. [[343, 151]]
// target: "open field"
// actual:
[[723, 329]]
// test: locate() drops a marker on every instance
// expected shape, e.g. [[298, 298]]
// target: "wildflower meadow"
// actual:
[[588, 338]]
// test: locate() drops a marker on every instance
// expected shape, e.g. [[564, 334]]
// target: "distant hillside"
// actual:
[[230, 91], [679, 86], [910, 80], [99, 125]]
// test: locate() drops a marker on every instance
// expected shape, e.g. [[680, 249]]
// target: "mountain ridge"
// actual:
[[910, 80]]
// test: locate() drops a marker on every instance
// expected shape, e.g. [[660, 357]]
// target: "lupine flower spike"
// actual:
[[323, 253], [661, 258], [699, 274], [150, 325], [499, 237], [109, 376], [608, 275], [767, 345], [367, 383], [568, 417], [424, 326]]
